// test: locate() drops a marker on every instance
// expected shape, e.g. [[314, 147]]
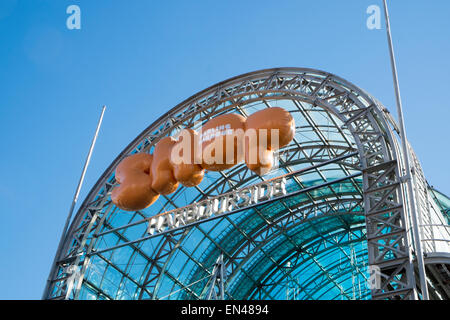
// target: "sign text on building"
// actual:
[[217, 206]]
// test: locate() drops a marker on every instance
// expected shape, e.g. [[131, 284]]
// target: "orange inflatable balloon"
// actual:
[[164, 181], [186, 159], [135, 191], [274, 118], [219, 139], [222, 143], [266, 131]]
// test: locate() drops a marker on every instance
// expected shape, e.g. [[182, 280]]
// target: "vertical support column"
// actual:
[[217, 281], [406, 157], [386, 233]]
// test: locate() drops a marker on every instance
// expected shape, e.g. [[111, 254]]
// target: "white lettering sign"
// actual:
[[216, 206]]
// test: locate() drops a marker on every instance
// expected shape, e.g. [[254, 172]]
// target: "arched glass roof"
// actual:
[[310, 244], [325, 251], [442, 201]]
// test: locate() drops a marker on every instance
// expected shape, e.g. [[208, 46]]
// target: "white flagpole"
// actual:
[[86, 164], [406, 159], [75, 198]]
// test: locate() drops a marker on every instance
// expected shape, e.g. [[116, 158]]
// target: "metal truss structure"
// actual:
[[345, 213]]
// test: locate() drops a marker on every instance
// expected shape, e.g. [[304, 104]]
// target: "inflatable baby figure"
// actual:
[[222, 143]]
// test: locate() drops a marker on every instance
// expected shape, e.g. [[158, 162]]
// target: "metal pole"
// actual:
[[75, 198], [86, 164], [406, 159], [222, 278]]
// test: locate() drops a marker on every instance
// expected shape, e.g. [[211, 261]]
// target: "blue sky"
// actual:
[[141, 58]]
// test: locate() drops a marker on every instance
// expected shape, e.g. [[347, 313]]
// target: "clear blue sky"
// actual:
[[141, 58]]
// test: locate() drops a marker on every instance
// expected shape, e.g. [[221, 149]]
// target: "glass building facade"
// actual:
[[312, 244]]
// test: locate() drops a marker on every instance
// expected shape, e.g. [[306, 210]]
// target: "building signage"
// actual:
[[216, 206]]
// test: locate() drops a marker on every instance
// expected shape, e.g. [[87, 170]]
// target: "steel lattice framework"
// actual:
[[346, 209]]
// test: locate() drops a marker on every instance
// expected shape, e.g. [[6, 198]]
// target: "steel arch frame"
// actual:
[[283, 217], [336, 243], [255, 240], [389, 243], [254, 248]]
